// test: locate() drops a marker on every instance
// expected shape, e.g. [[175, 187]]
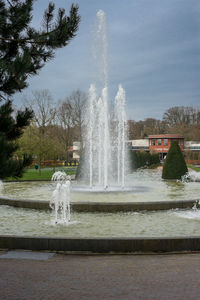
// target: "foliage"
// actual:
[[143, 159], [192, 155], [32, 174], [24, 50], [41, 144], [71, 115], [197, 169], [11, 129], [174, 166], [141, 129], [53, 129], [179, 119]]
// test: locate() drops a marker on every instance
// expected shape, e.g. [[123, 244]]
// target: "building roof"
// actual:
[[166, 136]]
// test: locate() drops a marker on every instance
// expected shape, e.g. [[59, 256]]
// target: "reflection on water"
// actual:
[[147, 186], [175, 188]]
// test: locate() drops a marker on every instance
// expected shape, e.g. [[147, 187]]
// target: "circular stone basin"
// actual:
[[27, 222], [111, 189], [141, 186]]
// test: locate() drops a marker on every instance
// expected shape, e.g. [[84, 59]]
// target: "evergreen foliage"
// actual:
[[174, 166], [10, 130], [144, 159], [23, 52], [23, 49]]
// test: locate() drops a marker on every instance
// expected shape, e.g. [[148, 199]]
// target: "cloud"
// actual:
[[154, 51]]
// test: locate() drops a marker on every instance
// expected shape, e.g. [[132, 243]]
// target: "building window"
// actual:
[[153, 142], [165, 142], [159, 142]]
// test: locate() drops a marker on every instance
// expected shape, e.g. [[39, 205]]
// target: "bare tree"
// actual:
[[71, 117], [43, 106], [78, 101], [44, 113], [183, 120], [141, 129], [178, 115]]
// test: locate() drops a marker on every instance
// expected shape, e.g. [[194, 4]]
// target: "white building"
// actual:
[[140, 144], [76, 150], [192, 146]]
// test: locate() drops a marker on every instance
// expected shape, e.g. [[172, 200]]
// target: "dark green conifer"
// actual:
[[174, 166], [23, 52], [24, 49]]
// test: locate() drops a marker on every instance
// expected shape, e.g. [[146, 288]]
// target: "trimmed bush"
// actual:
[[141, 159], [174, 166]]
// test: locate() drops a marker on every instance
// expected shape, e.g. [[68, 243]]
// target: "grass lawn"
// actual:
[[46, 173], [193, 168]]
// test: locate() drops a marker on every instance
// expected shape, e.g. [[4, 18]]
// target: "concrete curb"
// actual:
[[104, 207], [102, 245]]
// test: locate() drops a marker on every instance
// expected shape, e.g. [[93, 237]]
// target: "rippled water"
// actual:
[[147, 186], [26, 222]]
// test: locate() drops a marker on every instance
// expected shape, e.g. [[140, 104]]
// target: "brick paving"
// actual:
[[99, 277]]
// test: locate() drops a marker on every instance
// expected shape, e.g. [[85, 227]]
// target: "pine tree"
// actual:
[[10, 130], [174, 166], [23, 52]]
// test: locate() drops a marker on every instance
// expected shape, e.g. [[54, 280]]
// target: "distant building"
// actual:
[[192, 146], [161, 143], [153, 143], [76, 150], [140, 144]]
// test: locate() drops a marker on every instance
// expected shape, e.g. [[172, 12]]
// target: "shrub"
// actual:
[[174, 166], [143, 159]]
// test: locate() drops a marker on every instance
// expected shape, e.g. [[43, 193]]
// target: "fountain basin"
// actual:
[[104, 207], [16, 221], [103, 245], [172, 230], [141, 220]]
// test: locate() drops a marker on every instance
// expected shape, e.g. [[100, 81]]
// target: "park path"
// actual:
[[99, 277]]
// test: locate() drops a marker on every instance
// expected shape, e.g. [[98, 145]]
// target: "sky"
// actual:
[[153, 51]]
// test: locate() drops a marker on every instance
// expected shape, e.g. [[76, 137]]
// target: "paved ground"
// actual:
[[99, 277]]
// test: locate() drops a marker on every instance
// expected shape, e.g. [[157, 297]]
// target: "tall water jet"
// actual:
[[120, 113], [100, 156], [100, 52], [92, 99]]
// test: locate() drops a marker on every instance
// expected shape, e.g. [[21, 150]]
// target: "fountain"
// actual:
[[191, 176], [60, 200], [133, 217], [105, 137]]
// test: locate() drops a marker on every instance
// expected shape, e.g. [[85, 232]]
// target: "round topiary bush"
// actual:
[[174, 166]]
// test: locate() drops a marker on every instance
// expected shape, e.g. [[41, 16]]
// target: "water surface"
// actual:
[[147, 185]]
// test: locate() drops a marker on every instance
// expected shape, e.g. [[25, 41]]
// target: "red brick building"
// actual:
[[161, 142]]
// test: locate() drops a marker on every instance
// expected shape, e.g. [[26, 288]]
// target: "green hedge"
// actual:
[[143, 159], [174, 166]]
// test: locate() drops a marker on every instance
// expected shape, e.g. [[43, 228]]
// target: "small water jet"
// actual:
[[191, 176], [60, 200]]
